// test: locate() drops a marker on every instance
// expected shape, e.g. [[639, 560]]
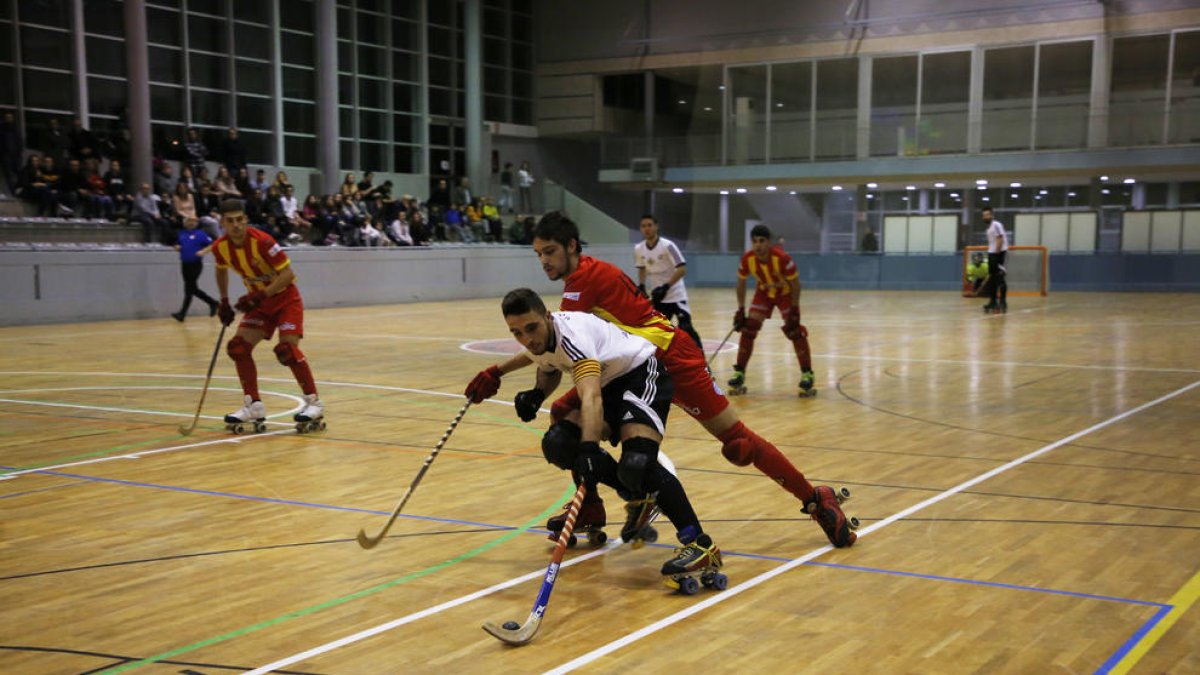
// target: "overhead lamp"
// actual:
[[954, 195], [741, 191], [1129, 181], [981, 181], [836, 188], [987, 199], [872, 185], [724, 192], [1105, 191], [939, 185], [771, 188], [1043, 191], [870, 196], [682, 101], [910, 187], [1103, 177], [677, 190], [791, 192]]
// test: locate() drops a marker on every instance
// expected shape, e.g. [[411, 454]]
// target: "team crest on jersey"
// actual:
[[573, 295], [287, 325], [274, 250]]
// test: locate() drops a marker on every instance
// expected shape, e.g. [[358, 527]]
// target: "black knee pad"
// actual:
[[751, 327], [636, 470], [560, 444], [288, 353]]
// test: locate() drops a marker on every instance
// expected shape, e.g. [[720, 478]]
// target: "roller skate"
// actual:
[[991, 308], [639, 513], [737, 383], [807, 379], [695, 564], [590, 521], [312, 416], [251, 417], [825, 508], [1003, 308]]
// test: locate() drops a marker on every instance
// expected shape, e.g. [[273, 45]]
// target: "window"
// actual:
[[1138, 95], [1007, 98], [945, 95], [893, 105], [1064, 94]]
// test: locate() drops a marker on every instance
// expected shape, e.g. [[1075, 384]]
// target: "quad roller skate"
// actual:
[[312, 416], [590, 522], [695, 564], [825, 508], [991, 308], [639, 513], [1003, 309], [807, 379], [251, 417], [737, 383]]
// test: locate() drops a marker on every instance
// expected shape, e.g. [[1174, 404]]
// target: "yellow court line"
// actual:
[[1183, 599]]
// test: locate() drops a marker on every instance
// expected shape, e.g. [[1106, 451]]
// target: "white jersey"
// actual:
[[584, 342], [660, 263], [997, 237]]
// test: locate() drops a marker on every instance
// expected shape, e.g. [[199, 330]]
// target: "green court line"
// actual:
[[555, 506]]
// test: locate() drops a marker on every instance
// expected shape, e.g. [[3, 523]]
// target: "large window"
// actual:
[[1008, 98], [837, 109], [1137, 100], [748, 114], [894, 105], [1064, 94], [945, 96], [791, 111], [1185, 89]]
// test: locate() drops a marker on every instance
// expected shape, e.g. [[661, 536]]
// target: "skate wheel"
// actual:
[[572, 541], [321, 426], [853, 523], [842, 494], [237, 429], [301, 428], [650, 534], [689, 586], [720, 582], [597, 537], [259, 427]]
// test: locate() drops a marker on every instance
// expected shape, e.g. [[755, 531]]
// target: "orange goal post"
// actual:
[[1027, 267]]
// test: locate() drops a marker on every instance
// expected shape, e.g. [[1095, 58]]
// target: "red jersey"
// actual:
[[775, 276], [258, 260], [604, 290]]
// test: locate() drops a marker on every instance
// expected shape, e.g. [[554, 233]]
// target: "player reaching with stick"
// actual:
[[271, 301], [601, 288], [625, 396]]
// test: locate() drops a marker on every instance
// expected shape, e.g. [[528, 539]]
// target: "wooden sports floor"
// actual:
[[1028, 486]]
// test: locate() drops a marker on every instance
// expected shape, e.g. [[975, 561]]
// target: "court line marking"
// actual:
[[967, 362], [1144, 640], [738, 589]]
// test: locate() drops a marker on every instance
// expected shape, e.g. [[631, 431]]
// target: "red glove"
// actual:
[[485, 385], [225, 312], [248, 302], [791, 323], [739, 319]]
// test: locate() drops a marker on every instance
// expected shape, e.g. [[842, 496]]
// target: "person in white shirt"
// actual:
[[399, 231], [626, 395], [525, 183], [301, 228], [661, 267], [996, 283]]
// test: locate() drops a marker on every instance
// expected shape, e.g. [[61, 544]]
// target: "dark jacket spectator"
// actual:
[[233, 152], [55, 143], [11, 148], [194, 150], [84, 145]]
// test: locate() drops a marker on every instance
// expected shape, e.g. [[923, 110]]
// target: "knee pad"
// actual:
[[796, 333], [751, 327], [639, 457], [238, 348], [288, 354], [560, 444], [739, 451]]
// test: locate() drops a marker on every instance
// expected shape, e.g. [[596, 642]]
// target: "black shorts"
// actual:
[[641, 396]]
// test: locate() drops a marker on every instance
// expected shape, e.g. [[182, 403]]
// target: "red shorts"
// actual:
[[766, 306], [695, 391], [284, 311]]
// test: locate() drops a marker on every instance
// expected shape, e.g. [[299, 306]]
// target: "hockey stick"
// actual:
[[207, 378], [370, 542], [721, 346], [517, 635]]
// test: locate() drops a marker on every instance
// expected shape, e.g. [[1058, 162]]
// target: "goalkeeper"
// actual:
[[977, 271]]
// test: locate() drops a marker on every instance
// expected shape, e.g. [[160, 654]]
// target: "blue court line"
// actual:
[[1106, 667]]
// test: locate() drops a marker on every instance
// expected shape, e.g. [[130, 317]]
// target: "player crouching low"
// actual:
[[626, 395], [271, 301]]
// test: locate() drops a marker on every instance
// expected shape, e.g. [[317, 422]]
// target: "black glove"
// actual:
[[527, 403], [657, 295], [587, 462], [225, 312], [739, 319]]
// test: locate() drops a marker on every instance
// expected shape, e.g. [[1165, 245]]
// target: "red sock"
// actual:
[[248, 374], [800, 344], [771, 462], [745, 349], [304, 376]]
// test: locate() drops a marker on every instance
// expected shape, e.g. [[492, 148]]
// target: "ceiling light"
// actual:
[[872, 185], [791, 192], [987, 199], [741, 191], [682, 102], [954, 194], [836, 188], [910, 187], [1043, 191], [1014, 184], [1129, 181], [677, 191], [771, 188], [707, 108], [939, 185], [870, 196], [721, 87], [904, 199], [981, 181], [1070, 194], [1104, 191], [1014, 195], [1103, 177], [724, 192], [778, 105]]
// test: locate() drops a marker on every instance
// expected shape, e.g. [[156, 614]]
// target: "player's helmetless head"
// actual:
[[527, 319], [987, 214], [760, 240], [556, 243], [649, 227], [234, 220]]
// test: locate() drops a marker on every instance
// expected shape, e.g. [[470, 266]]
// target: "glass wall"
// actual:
[[945, 99], [46, 85], [836, 109], [894, 105], [1137, 98], [1007, 98], [748, 114], [1064, 94], [791, 111], [1185, 89]]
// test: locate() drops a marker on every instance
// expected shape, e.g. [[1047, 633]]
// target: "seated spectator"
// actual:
[[454, 223], [203, 179], [281, 181], [420, 231], [260, 182], [183, 203], [474, 221], [399, 231], [30, 186], [224, 186], [164, 180], [208, 211], [73, 189], [348, 186], [462, 192], [52, 177], [491, 214], [84, 145], [366, 234], [241, 182], [146, 211], [116, 189], [254, 208], [521, 232], [188, 177], [99, 203], [300, 229], [274, 219]]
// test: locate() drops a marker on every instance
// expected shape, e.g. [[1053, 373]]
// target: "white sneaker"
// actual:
[[250, 410], [313, 409]]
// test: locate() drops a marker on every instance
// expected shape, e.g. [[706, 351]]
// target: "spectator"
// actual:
[[164, 180], [119, 146], [274, 219], [367, 185], [281, 181], [183, 202], [146, 212], [55, 143], [506, 187], [73, 188], [420, 231], [233, 152], [208, 210], [399, 231], [116, 189], [522, 231], [195, 151], [454, 223], [367, 235], [440, 197], [187, 176], [300, 228], [525, 183], [254, 208], [260, 182], [474, 220], [99, 203], [11, 148], [870, 243], [348, 186], [33, 188], [495, 226], [53, 182], [241, 182], [224, 186], [84, 145], [462, 192], [202, 179]]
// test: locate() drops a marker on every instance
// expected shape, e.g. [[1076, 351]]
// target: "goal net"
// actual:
[[1027, 267]]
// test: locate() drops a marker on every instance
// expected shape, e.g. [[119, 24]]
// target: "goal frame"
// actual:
[[1044, 276]]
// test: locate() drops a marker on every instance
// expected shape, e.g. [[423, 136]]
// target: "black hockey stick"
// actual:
[[207, 378]]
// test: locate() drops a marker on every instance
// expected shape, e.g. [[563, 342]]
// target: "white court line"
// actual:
[[734, 591], [975, 362], [714, 599], [362, 635]]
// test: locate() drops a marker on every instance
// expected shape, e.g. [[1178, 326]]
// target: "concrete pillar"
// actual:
[[723, 224], [79, 63], [473, 44], [328, 153], [137, 69]]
